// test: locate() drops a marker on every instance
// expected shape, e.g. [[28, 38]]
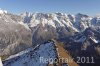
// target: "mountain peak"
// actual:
[[81, 15], [2, 11]]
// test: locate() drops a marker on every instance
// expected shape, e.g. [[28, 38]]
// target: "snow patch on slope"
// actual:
[[0, 62], [31, 57], [25, 25]]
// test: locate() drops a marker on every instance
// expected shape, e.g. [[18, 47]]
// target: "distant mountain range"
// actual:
[[78, 32]]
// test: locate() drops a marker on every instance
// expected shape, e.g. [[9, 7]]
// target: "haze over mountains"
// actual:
[[78, 32]]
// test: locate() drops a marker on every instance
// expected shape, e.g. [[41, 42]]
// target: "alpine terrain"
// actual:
[[26, 37]]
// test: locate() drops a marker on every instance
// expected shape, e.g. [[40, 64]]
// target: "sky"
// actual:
[[91, 7]]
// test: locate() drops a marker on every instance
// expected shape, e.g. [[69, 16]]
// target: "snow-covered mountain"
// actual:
[[86, 43], [33, 56], [45, 26], [14, 37], [18, 32], [3, 11]]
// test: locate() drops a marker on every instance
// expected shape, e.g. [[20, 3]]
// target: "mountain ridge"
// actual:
[[19, 32]]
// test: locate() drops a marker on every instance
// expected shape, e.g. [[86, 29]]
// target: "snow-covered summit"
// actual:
[[2, 11]]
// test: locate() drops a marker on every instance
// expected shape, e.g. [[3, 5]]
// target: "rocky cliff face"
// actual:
[[14, 37]]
